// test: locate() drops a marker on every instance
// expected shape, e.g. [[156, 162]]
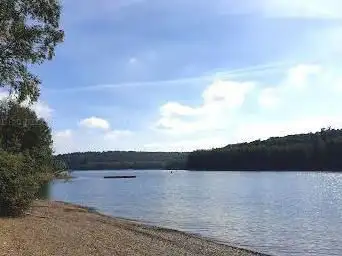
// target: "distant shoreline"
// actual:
[[98, 234], [147, 169], [319, 151]]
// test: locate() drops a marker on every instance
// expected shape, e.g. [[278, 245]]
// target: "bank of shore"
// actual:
[[56, 228]]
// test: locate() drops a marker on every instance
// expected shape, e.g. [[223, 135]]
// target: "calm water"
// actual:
[[276, 213]]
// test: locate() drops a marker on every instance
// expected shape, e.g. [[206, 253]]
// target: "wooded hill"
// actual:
[[321, 151], [115, 160]]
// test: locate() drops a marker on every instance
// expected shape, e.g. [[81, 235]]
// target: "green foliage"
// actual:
[[59, 166], [29, 33], [114, 160], [26, 159], [18, 183], [303, 152], [21, 131]]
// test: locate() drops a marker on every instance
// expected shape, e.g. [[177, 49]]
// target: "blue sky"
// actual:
[[182, 75]]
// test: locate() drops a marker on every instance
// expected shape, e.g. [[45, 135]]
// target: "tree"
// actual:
[[18, 183], [308, 152], [21, 131], [29, 33], [26, 159]]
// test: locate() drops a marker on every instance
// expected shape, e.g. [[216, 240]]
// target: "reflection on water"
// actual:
[[44, 191], [277, 213]]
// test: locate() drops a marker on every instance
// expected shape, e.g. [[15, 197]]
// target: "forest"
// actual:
[[115, 160], [320, 151]]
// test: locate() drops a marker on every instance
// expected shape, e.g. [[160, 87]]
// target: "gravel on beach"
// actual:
[[55, 228]]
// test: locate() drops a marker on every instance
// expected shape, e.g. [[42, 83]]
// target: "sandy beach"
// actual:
[[56, 228]]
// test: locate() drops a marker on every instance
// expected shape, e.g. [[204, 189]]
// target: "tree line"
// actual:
[[320, 151], [116, 160]]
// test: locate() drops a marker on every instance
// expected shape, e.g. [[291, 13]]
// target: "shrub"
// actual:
[[26, 159], [18, 183]]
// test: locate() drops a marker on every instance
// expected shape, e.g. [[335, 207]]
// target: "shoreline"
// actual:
[[208, 170], [150, 226], [55, 227]]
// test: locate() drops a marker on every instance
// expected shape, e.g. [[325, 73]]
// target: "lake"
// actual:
[[279, 213]]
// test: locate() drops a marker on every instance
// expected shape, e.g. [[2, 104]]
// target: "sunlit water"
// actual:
[[283, 213]]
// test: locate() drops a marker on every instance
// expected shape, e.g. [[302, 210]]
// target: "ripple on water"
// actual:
[[278, 213]]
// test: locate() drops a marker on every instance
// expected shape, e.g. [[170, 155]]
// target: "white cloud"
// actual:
[[298, 76], [95, 122], [249, 131], [338, 86], [304, 99], [99, 139], [298, 80], [268, 98], [231, 94], [42, 109], [93, 140], [63, 141], [174, 108], [220, 100]]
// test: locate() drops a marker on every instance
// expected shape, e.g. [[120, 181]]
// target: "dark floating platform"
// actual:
[[120, 177]]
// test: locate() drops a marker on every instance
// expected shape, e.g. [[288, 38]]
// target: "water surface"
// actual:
[[283, 214]]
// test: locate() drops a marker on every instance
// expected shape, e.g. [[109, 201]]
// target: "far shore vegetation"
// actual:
[[318, 151]]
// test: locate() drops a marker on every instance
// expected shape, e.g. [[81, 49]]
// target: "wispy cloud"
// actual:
[[147, 61], [216, 74], [305, 98]]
